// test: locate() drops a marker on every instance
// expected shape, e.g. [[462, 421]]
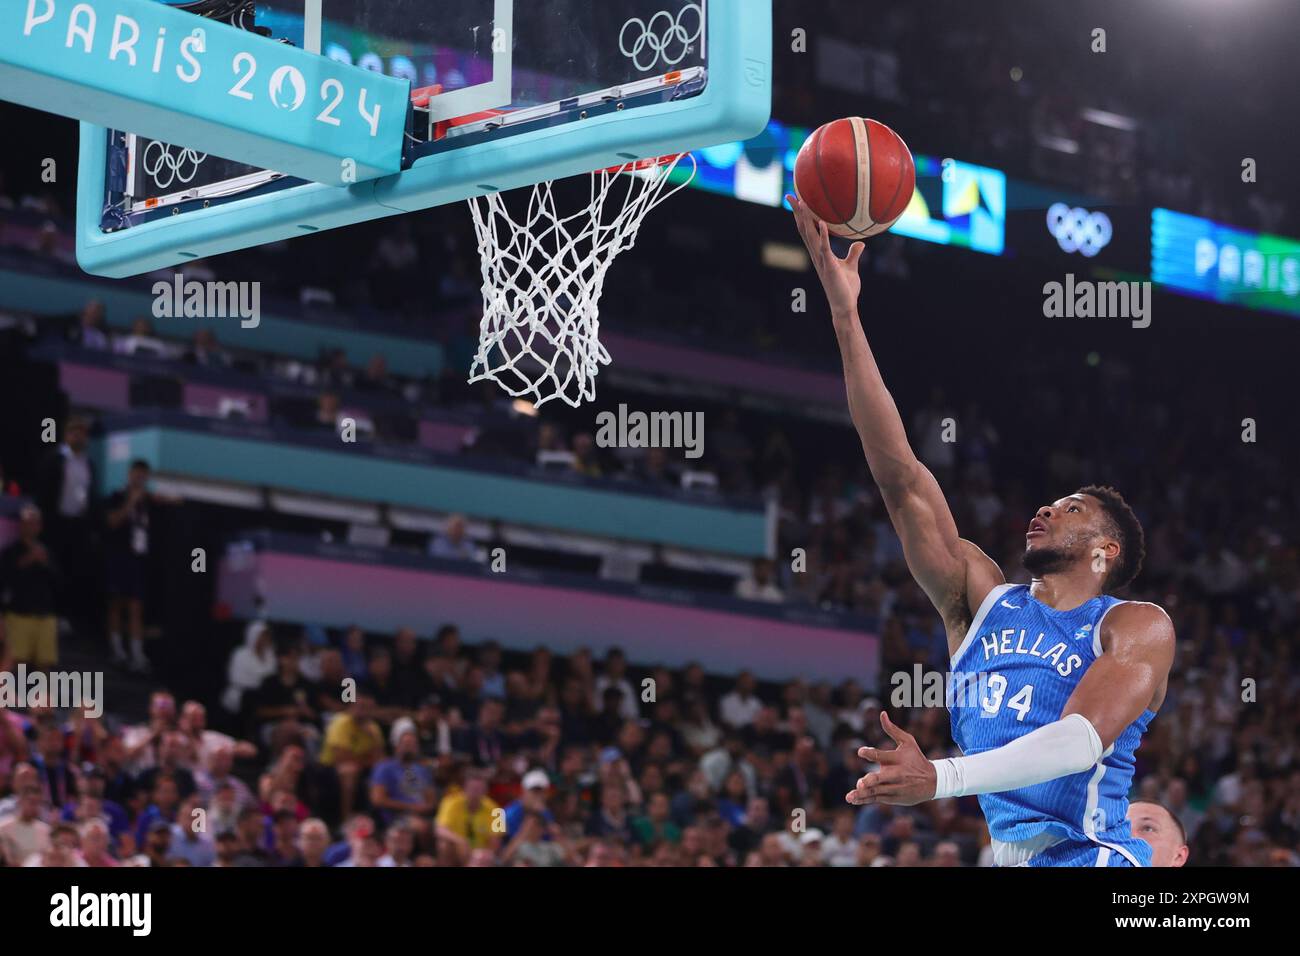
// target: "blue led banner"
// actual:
[[955, 203], [1226, 264]]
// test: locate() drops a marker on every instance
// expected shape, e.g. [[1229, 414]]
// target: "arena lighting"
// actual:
[[782, 255], [1058, 143], [1106, 118]]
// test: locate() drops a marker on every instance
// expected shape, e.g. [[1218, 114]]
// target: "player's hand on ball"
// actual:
[[905, 776], [839, 276]]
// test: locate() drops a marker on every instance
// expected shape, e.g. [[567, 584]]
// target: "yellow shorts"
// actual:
[[34, 640]]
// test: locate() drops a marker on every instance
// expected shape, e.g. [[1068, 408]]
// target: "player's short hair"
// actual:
[[1182, 830], [1123, 524]]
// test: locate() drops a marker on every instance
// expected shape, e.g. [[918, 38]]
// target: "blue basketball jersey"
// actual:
[[1014, 672]]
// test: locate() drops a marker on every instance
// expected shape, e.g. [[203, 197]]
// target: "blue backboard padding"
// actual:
[[147, 68], [358, 475], [735, 105]]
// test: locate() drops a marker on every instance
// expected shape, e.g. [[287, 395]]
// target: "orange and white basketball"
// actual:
[[855, 174]]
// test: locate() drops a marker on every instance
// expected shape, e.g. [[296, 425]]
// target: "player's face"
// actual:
[[1062, 533], [1153, 824]]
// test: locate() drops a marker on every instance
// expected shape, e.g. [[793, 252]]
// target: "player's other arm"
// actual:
[[954, 573], [1131, 675]]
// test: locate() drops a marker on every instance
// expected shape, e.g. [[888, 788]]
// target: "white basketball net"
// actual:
[[543, 275]]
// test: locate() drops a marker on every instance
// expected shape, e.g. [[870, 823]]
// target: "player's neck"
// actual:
[[1065, 591]]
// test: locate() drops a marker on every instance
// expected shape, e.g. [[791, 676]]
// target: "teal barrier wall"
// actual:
[[276, 335], [359, 476]]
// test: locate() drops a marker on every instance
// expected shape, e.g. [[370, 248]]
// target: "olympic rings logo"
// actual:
[[663, 41], [164, 168], [1077, 230]]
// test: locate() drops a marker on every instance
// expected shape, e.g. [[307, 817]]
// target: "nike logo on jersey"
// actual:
[[1013, 607]]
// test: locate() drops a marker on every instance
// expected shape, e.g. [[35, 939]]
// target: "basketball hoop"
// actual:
[[543, 275]]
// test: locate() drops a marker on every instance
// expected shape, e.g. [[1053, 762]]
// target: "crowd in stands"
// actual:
[[367, 749]]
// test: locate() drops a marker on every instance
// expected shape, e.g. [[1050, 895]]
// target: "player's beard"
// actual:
[[1043, 561]]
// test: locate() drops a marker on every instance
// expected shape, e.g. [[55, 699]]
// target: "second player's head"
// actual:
[[1156, 824], [1094, 527]]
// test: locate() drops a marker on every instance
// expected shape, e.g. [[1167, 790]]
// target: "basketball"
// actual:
[[856, 175]]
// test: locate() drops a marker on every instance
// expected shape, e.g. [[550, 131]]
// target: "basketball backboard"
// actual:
[[504, 93]]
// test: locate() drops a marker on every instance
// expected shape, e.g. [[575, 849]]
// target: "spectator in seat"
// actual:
[[142, 341], [91, 330], [433, 727], [286, 696], [62, 851], [164, 805], [375, 378], [536, 843], [189, 838], [411, 679], [250, 664], [747, 837], [193, 725], [57, 776], [29, 584], [464, 821], [656, 825], [383, 686], [484, 742], [94, 844], [328, 410], [218, 775], [760, 583], [840, 847], [313, 841], [205, 351], [251, 831], [613, 675], [174, 759], [399, 845], [535, 785], [143, 742], [25, 832], [585, 459], [353, 745], [403, 784], [611, 819], [355, 653], [328, 688], [227, 845], [741, 705], [452, 543]]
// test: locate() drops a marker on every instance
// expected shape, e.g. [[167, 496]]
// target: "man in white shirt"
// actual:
[[614, 669], [741, 705], [24, 833], [760, 584]]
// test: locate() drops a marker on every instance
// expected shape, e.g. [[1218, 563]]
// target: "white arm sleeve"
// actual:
[[1066, 746]]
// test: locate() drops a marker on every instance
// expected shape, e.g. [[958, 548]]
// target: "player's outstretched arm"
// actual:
[[1128, 677], [954, 573]]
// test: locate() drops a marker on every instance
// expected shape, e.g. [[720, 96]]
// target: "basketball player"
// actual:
[[1054, 682], [1156, 823]]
